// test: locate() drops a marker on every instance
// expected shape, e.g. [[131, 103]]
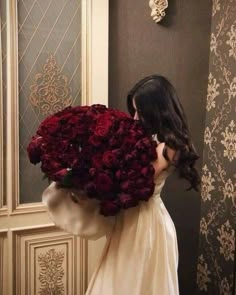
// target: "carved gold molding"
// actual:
[[158, 8], [48, 261]]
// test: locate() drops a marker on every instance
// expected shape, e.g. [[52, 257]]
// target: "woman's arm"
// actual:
[[73, 212]]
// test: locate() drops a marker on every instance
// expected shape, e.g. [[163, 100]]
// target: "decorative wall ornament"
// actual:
[[51, 273], [158, 8], [50, 91]]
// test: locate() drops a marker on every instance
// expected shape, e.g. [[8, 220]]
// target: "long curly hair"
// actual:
[[162, 114]]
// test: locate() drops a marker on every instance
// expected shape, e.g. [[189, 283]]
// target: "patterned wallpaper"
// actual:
[[218, 209]]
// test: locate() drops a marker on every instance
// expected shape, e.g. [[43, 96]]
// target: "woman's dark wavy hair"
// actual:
[[161, 112]]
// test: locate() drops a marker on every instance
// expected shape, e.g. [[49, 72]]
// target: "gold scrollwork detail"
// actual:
[[158, 8], [50, 91], [51, 273]]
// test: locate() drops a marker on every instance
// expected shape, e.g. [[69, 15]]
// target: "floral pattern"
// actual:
[[213, 44], [212, 92], [224, 287], [226, 239], [216, 7], [218, 209], [229, 141], [229, 190], [203, 226], [203, 274], [207, 184], [232, 41]]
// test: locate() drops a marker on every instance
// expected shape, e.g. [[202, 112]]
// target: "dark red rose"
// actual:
[[115, 141], [92, 171], [49, 126], [129, 141], [129, 157], [128, 200], [135, 165], [97, 161], [127, 186], [144, 144], [109, 159], [103, 182], [144, 193], [101, 130], [140, 182], [132, 174], [99, 108], [49, 165], [145, 159], [34, 149], [81, 109], [91, 190], [59, 175], [94, 140], [148, 171], [103, 126], [109, 208], [121, 175]]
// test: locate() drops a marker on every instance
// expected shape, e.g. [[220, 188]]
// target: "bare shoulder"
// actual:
[[165, 156]]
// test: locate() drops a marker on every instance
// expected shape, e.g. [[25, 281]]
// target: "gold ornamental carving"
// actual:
[[50, 91], [51, 273], [158, 8]]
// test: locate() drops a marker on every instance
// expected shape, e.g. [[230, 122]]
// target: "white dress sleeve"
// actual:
[[80, 218]]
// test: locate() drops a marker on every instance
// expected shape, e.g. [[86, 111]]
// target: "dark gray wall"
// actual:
[[178, 48]]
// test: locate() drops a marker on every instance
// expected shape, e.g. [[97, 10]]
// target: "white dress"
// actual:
[[141, 254]]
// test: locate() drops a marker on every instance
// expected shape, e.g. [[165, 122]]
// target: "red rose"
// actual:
[[127, 186], [148, 171], [115, 141], [127, 201], [103, 182], [49, 126], [94, 140], [91, 190], [103, 126], [92, 171], [109, 208], [121, 175], [97, 161], [144, 193], [132, 174], [99, 108], [34, 149], [101, 131], [59, 175], [109, 159], [49, 165], [135, 165]]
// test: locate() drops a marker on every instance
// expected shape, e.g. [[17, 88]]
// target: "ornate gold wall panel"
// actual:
[[49, 75], [47, 261]]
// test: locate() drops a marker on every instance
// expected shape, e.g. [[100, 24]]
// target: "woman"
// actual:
[[141, 253]]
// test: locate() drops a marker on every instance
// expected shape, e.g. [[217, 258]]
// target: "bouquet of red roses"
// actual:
[[101, 151]]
